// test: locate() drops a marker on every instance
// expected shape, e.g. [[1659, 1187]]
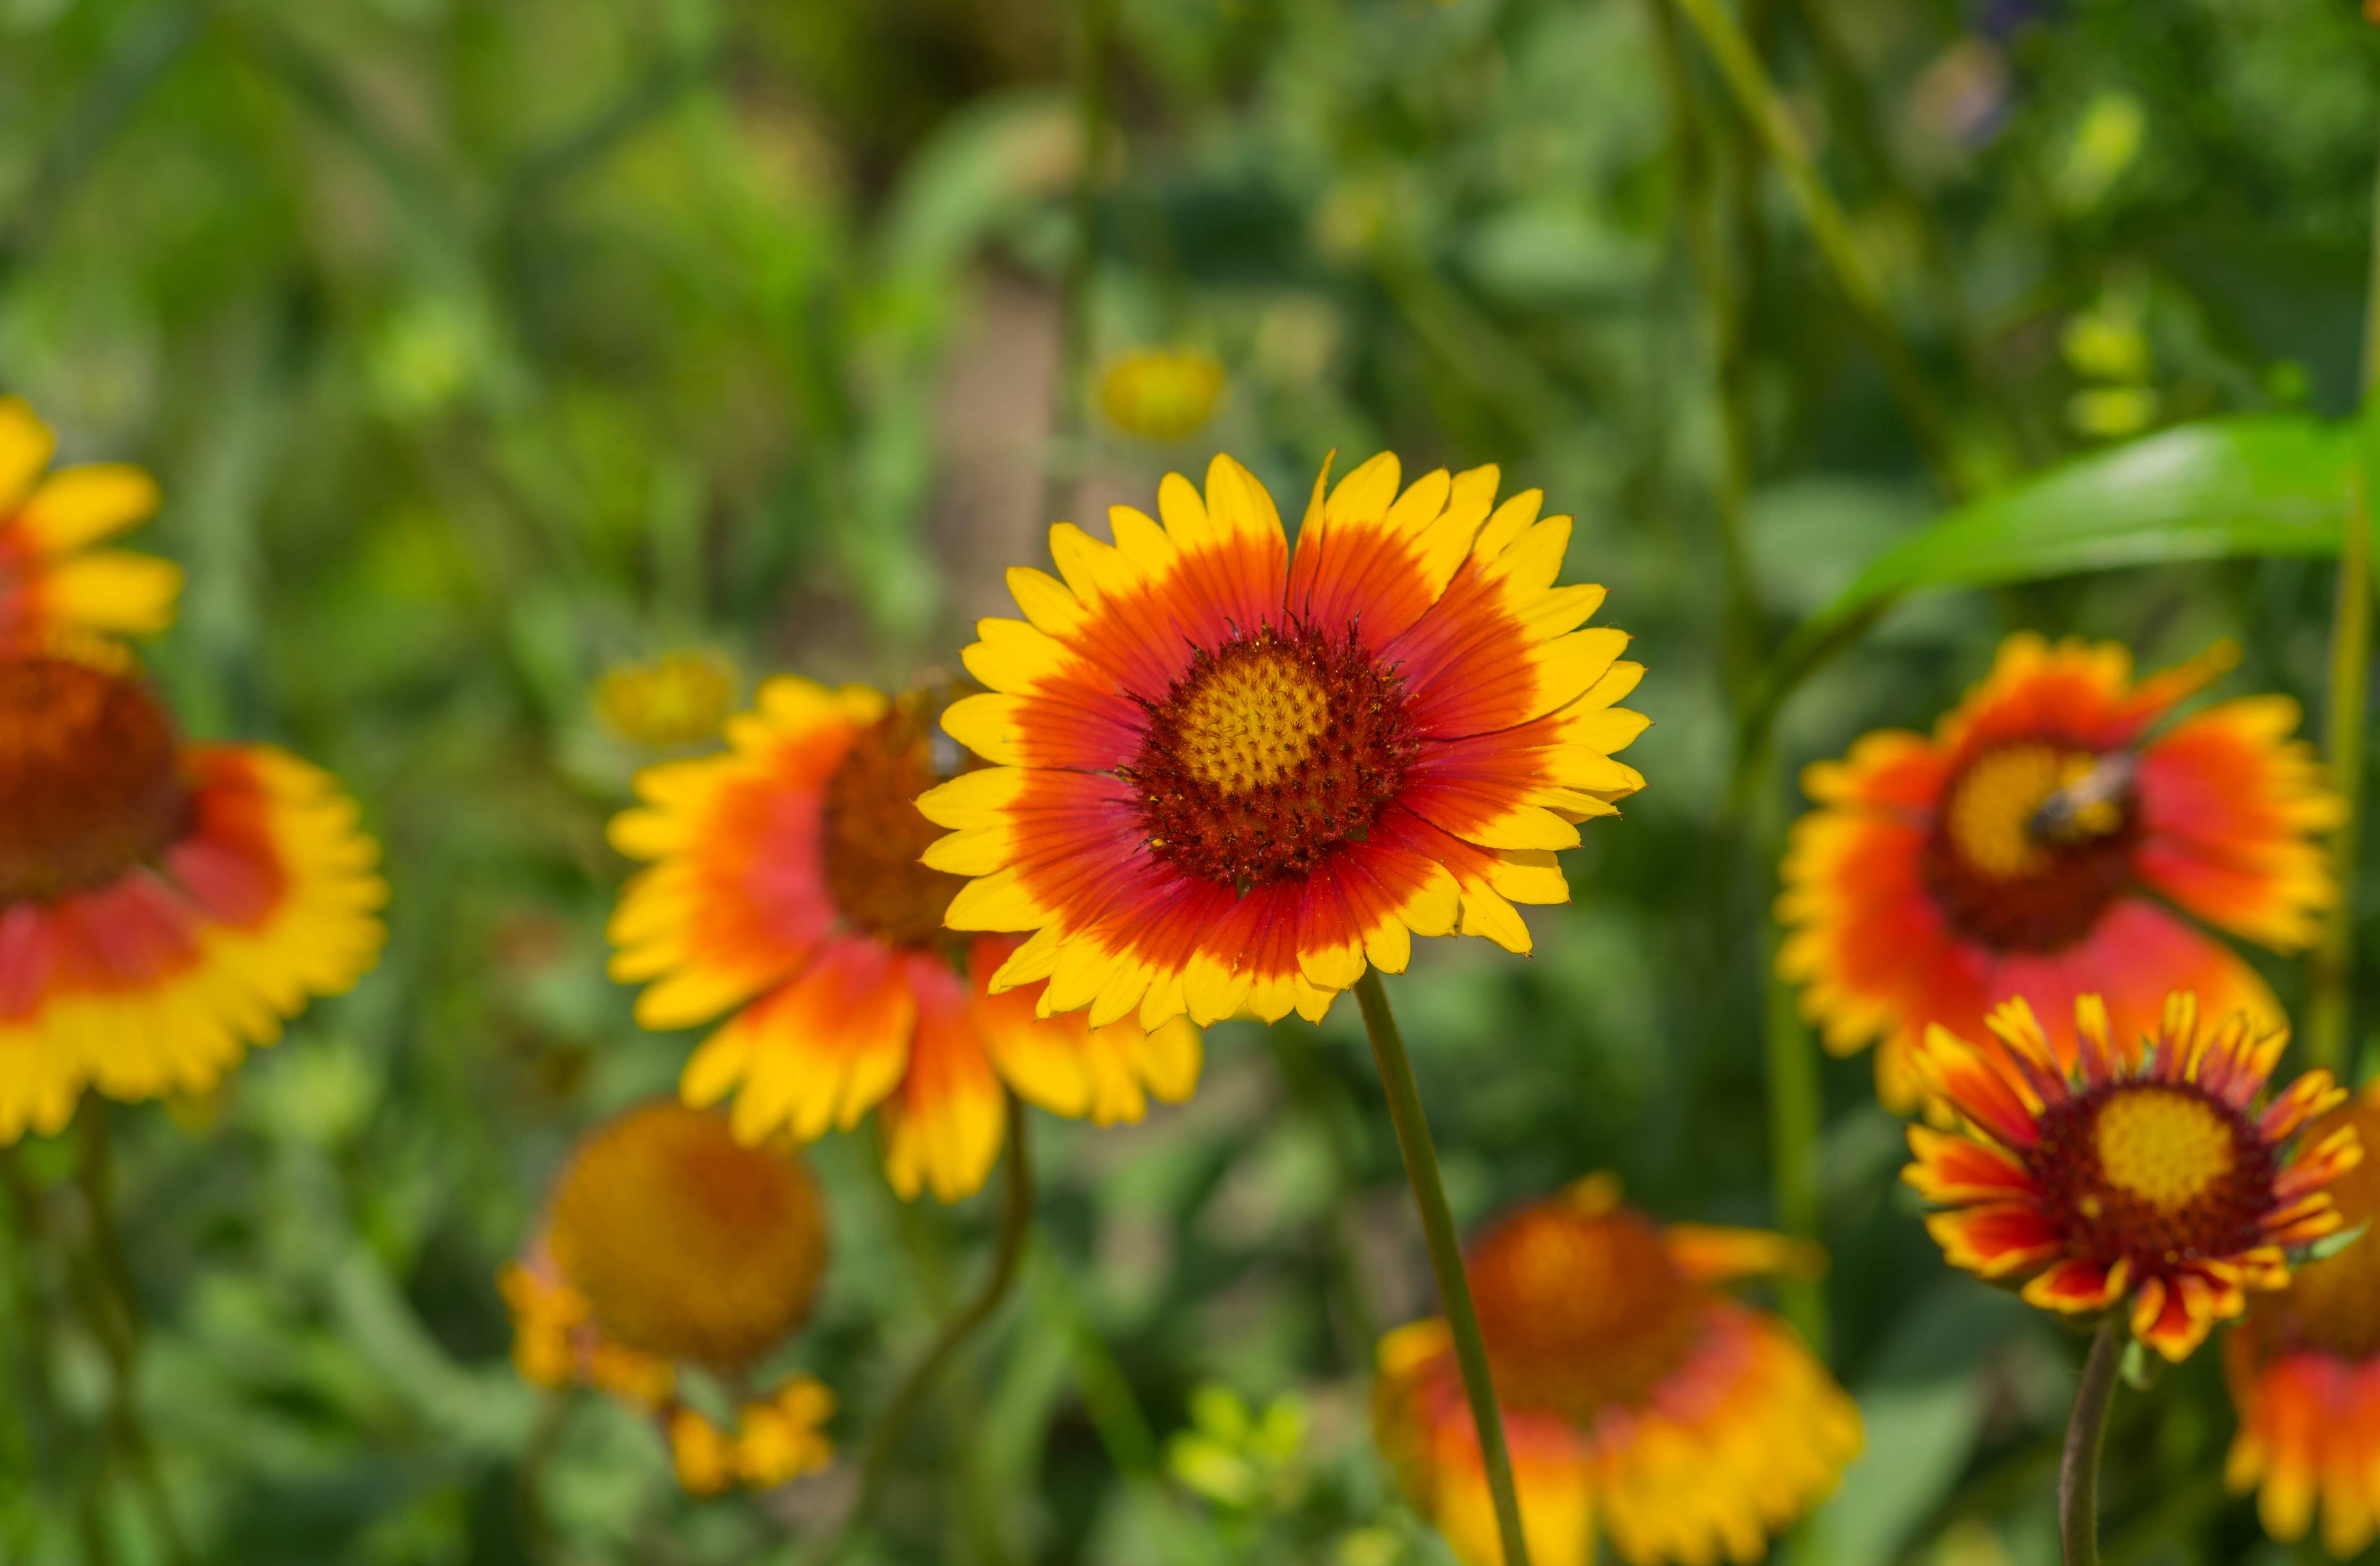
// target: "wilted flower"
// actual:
[[163, 905], [1638, 1399], [785, 886], [2110, 1172], [1161, 394], [2042, 842], [1225, 778], [670, 1243], [51, 577]]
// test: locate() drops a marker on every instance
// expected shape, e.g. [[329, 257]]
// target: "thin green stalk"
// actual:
[[33, 1230], [2086, 1436], [1796, 1109], [1757, 97], [892, 1424], [114, 1316], [1445, 1257], [2330, 984], [1094, 32]]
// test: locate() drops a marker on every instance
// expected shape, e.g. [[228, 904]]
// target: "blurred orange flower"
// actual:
[[2032, 847], [51, 578]]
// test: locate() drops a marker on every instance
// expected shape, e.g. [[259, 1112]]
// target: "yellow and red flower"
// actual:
[[51, 578], [2040, 846], [1225, 777], [1636, 1396], [785, 886], [2304, 1370], [670, 1243], [2106, 1168], [162, 905]]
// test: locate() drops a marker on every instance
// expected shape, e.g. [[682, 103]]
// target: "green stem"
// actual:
[[1757, 97], [2330, 984], [2086, 1436], [1445, 1257], [1096, 26], [892, 1424], [112, 1306], [34, 1308], [1796, 1106]]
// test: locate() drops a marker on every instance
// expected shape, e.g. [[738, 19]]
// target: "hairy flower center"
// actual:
[[2032, 843], [89, 785], [2333, 1305], [1270, 753], [871, 834], [1581, 1311], [2154, 1172], [686, 1245]]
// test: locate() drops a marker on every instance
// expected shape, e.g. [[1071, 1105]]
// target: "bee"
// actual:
[[2091, 805]]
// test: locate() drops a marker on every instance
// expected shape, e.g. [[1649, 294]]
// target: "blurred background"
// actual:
[[484, 349]]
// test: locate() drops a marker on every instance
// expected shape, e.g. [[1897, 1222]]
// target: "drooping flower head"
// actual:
[[1637, 1398], [2039, 845], [1161, 394], [680, 699], [51, 577], [2107, 1171], [785, 887], [2304, 1370], [1225, 777], [162, 905], [670, 1243]]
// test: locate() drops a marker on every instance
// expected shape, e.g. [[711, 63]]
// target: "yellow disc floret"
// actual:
[[2167, 1149], [1253, 723]]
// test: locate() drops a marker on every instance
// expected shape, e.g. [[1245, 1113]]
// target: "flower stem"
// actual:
[[2330, 984], [114, 1313], [1757, 97], [1008, 1251], [2087, 1435], [1445, 1257]]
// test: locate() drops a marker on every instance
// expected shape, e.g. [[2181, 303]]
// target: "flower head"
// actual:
[[1161, 394], [785, 887], [2101, 1171], [1228, 778], [1636, 1396], [162, 905], [2042, 841], [51, 578], [2304, 1370], [670, 1243], [678, 699]]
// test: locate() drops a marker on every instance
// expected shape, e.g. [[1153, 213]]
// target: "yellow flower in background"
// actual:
[[784, 886], [678, 699], [51, 577], [672, 1244], [2304, 1370], [1161, 394], [162, 905], [1638, 1400], [2113, 1172]]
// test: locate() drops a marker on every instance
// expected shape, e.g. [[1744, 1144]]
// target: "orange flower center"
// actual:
[[2033, 842], [89, 785], [1267, 755], [2333, 1305], [1581, 1310], [872, 833], [2158, 1172], [686, 1245]]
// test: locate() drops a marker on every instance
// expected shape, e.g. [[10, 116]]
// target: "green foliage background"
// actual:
[[480, 346]]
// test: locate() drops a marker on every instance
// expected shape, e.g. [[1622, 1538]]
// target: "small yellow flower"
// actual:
[[679, 699], [1161, 394]]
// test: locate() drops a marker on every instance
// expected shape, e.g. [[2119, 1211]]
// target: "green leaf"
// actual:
[[2265, 484]]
